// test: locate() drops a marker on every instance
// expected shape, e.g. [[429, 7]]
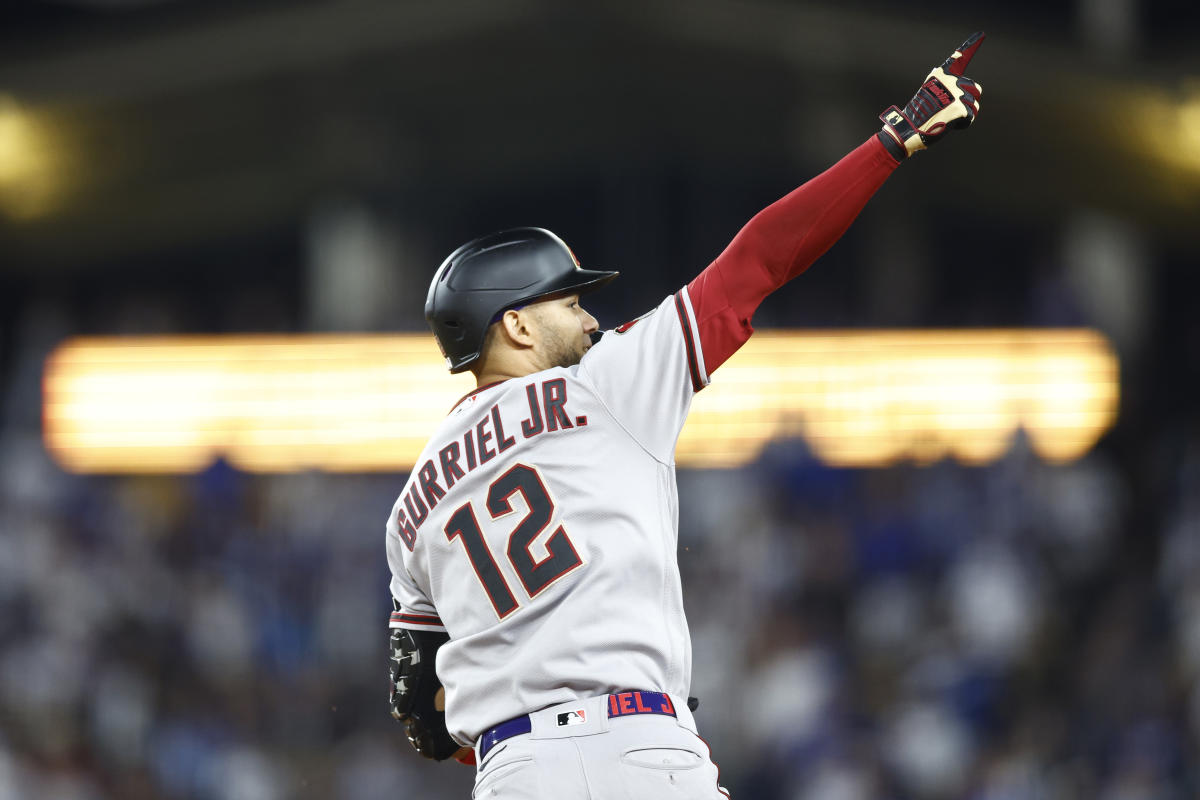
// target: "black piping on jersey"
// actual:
[[689, 343]]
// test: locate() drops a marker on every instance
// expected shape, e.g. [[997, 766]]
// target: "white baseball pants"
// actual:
[[588, 756]]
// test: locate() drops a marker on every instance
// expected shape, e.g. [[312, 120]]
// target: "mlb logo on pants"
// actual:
[[577, 717]]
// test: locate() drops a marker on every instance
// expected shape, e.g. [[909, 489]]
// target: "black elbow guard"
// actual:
[[417, 698]]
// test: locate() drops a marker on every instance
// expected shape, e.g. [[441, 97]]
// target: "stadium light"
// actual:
[[28, 182], [369, 402]]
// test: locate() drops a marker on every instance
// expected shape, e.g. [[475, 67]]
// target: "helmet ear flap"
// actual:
[[455, 332]]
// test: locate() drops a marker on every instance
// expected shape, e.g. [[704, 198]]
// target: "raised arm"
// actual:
[[786, 237]]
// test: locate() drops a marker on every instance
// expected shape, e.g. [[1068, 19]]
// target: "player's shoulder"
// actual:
[[634, 333], [626, 327], [480, 397], [651, 318]]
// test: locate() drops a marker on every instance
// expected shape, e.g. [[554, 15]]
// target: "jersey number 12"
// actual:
[[535, 575]]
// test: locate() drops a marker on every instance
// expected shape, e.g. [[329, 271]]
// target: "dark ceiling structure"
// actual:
[[162, 124]]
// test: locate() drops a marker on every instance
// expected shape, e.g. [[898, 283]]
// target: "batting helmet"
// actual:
[[493, 273]]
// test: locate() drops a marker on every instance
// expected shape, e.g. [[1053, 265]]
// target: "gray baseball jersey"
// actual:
[[539, 528]]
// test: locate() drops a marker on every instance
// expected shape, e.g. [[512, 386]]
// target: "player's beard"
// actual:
[[563, 351]]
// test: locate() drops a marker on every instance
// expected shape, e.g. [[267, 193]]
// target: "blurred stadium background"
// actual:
[[952, 607]]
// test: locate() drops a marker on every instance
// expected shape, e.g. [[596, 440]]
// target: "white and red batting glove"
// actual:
[[946, 100]]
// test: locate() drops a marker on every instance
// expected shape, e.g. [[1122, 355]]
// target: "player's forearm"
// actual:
[[786, 237], [779, 243]]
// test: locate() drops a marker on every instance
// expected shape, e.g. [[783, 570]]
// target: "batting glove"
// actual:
[[946, 100]]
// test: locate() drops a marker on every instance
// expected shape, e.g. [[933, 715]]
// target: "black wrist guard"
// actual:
[[415, 690]]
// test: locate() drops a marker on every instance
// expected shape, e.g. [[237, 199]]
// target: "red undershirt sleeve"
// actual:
[[779, 243]]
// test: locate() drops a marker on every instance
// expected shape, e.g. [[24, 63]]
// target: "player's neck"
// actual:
[[496, 373], [489, 378], [505, 364]]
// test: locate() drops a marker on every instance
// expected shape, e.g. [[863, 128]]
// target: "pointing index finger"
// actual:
[[957, 63]]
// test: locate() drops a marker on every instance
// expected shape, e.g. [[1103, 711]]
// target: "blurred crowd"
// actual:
[[993, 633]]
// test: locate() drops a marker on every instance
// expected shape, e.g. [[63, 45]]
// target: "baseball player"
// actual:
[[538, 627]]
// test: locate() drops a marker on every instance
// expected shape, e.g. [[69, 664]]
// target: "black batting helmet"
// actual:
[[495, 272]]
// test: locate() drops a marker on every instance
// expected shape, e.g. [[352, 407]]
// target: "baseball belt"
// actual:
[[622, 704]]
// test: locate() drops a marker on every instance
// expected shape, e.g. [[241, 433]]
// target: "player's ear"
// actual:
[[517, 327]]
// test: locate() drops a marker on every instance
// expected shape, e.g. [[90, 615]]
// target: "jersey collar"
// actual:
[[476, 391]]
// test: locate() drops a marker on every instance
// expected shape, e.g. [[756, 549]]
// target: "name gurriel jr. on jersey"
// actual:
[[547, 401]]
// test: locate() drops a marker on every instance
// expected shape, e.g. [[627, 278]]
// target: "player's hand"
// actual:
[[945, 101]]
